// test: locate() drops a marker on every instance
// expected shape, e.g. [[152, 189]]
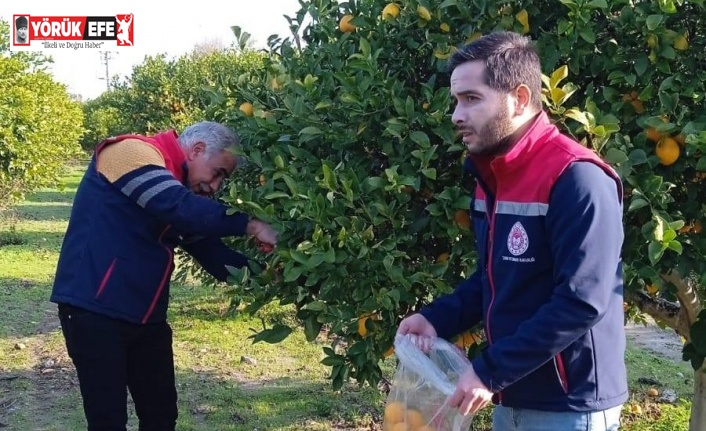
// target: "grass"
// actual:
[[224, 381]]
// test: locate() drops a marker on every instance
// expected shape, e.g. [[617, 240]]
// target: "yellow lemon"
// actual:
[[445, 27]]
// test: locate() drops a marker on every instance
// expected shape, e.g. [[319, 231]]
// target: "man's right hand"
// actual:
[[417, 324], [266, 236]]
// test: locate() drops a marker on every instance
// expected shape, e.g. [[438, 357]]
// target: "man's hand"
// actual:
[[471, 394], [265, 235], [416, 324]]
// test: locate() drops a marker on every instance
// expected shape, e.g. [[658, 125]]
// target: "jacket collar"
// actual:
[[539, 131], [169, 142]]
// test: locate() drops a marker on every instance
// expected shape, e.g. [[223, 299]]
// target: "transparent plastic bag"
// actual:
[[423, 382]]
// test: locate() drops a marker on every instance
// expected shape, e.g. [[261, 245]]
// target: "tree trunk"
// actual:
[[697, 422]]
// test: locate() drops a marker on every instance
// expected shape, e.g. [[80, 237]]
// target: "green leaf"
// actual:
[[312, 328], [655, 252], [667, 6], [311, 130], [701, 164], [273, 336], [615, 156], [332, 360], [676, 246], [637, 203], [315, 306], [429, 173], [588, 35], [600, 4], [697, 334], [292, 273], [420, 138], [653, 21]]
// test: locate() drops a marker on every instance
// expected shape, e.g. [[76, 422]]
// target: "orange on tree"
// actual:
[[390, 12], [247, 109], [389, 352], [463, 219], [362, 330], [652, 134], [345, 24], [443, 257], [667, 151]]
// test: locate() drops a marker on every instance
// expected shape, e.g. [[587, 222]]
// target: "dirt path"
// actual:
[[663, 342]]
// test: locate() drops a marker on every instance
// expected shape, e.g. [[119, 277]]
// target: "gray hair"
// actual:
[[215, 136]]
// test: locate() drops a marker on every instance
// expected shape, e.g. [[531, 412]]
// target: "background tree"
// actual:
[[40, 125]]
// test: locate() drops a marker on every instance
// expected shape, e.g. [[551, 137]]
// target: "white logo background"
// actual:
[[517, 240]]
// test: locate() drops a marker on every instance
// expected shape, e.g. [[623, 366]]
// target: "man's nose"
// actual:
[[456, 117], [215, 185]]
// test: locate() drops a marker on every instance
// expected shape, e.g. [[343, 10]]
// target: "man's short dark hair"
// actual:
[[510, 60]]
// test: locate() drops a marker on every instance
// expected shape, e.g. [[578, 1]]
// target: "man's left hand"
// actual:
[[471, 394]]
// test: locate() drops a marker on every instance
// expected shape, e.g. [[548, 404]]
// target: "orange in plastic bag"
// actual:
[[423, 382]]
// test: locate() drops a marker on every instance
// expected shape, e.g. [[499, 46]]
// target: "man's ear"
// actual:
[[522, 97], [197, 149]]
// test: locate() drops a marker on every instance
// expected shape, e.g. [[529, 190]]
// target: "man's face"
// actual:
[[206, 174], [481, 115], [22, 33]]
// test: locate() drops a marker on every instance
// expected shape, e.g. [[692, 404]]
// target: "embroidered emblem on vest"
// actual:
[[517, 241]]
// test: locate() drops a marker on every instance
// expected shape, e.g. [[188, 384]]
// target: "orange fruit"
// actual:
[[463, 220], [668, 151], [414, 419], [401, 427], [638, 106], [653, 135], [394, 413], [362, 330], [652, 392], [247, 109], [697, 227], [390, 12], [345, 25], [443, 257], [389, 352], [681, 139]]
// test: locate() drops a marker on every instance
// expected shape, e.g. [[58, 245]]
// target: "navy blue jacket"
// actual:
[[547, 218], [117, 255]]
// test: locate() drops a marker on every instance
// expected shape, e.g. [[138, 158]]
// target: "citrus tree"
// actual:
[[40, 125], [353, 157]]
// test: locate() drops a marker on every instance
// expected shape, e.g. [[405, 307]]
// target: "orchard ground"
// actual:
[[225, 382]]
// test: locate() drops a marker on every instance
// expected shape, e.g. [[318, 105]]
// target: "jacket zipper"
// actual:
[[561, 372], [489, 270]]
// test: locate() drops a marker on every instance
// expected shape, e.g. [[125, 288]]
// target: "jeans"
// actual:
[[112, 356], [511, 419]]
